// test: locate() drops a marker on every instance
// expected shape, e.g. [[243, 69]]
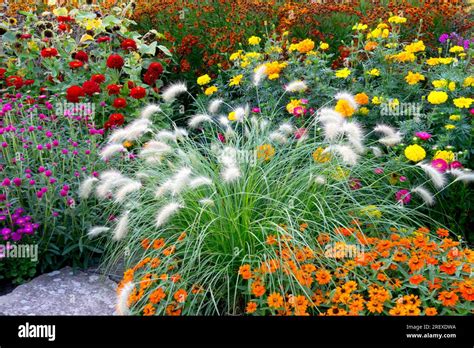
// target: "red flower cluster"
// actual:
[[90, 87], [14, 80], [73, 94], [49, 52], [114, 120], [98, 78], [119, 103], [115, 61], [75, 64], [153, 73], [113, 89], [82, 56], [103, 39], [138, 92], [128, 44], [2, 73]]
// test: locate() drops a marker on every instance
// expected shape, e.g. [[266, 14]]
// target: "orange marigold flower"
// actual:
[[180, 295], [145, 243], [271, 240], [169, 251], [370, 46], [441, 232], [397, 311], [155, 262], [251, 307], [467, 290], [275, 300], [245, 271], [303, 226], [416, 263], [448, 298], [374, 306], [361, 98], [182, 236], [448, 268], [149, 309], [430, 311], [258, 289], [323, 238], [417, 279], [157, 295], [159, 243], [323, 277]]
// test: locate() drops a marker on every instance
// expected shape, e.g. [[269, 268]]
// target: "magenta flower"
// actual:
[[354, 184], [455, 164], [403, 196], [221, 138], [378, 170], [423, 135], [300, 132], [256, 110], [440, 164]]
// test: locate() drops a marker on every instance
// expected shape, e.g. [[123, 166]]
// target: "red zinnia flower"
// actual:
[[99, 78], [156, 67], [82, 56], [73, 93], [103, 39], [128, 44], [75, 64], [120, 103], [49, 52], [2, 73], [113, 89], [138, 92], [150, 78], [115, 61], [63, 27], [14, 80], [130, 84], [116, 119], [91, 87], [28, 82], [65, 19]]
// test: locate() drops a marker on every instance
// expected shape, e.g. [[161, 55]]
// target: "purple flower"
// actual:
[[17, 181], [443, 38], [403, 196]]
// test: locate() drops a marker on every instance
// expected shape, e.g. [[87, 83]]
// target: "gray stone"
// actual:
[[62, 292]]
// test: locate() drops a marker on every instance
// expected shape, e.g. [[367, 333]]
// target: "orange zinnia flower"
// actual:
[[251, 307], [245, 271], [271, 240], [448, 298], [157, 295], [275, 300], [441, 232], [448, 268], [323, 277], [180, 295], [159, 243], [430, 311], [258, 289], [416, 279], [148, 309]]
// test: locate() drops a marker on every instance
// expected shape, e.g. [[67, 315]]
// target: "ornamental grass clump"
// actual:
[[199, 207]]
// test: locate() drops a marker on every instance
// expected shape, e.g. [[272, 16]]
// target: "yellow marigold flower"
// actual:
[[397, 20], [393, 103], [344, 108], [293, 47], [374, 72], [415, 153], [359, 26], [403, 57], [210, 90], [450, 126], [324, 46], [305, 46], [468, 81], [265, 152], [437, 97], [235, 55], [439, 83], [413, 78], [244, 63], [391, 45], [446, 155], [235, 81], [319, 157], [232, 116], [273, 76], [437, 61], [203, 80], [415, 47], [452, 86], [33, 46], [364, 111], [455, 117], [127, 144], [292, 105], [456, 49], [274, 68], [463, 102], [377, 100], [378, 33], [254, 40], [343, 73], [382, 26], [252, 55]]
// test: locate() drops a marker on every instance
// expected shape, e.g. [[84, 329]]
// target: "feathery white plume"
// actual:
[[278, 137], [180, 133], [320, 180], [286, 128], [149, 110], [391, 140], [259, 74], [130, 187], [331, 130], [214, 105], [196, 120], [385, 130], [86, 187], [206, 202], [172, 91], [165, 135], [437, 178], [96, 230], [224, 121], [346, 152], [119, 135], [155, 148], [425, 195], [348, 97], [165, 213], [230, 173], [296, 86], [240, 114], [122, 300], [326, 115], [180, 180], [121, 229], [462, 175], [200, 181], [109, 150], [376, 151], [354, 135], [137, 128]]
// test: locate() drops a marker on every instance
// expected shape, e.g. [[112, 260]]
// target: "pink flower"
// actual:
[[403, 196], [455, 164], [403, 179], [256, 110], [378, 170], [300, 132], [423, 135], [440, 164], [221, 138]]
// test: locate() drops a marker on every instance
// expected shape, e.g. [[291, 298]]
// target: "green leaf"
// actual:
[[164, 50]]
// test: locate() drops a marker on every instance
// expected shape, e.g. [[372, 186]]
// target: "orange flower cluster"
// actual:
[[397, 275]]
